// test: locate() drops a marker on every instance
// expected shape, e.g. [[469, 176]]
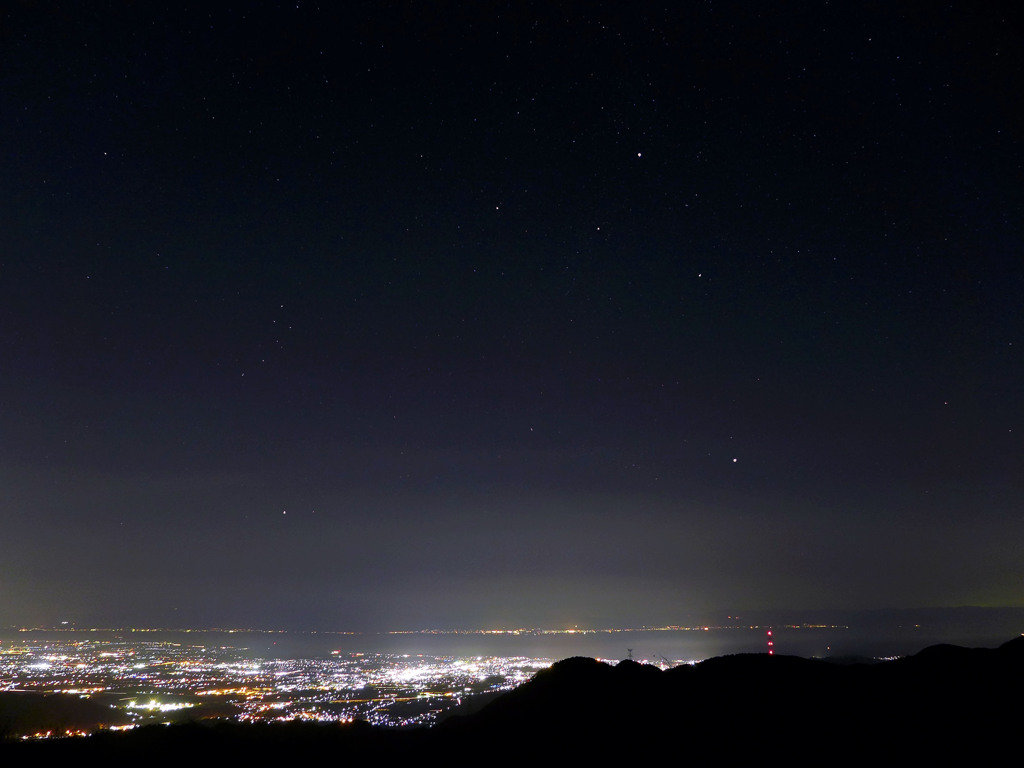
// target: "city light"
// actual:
[[147, 681]]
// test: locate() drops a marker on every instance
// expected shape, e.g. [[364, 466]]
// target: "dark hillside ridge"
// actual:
[[942, 702], [943, 697]]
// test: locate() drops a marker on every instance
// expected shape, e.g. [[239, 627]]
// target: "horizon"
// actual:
[[792, 619], [886, 638]]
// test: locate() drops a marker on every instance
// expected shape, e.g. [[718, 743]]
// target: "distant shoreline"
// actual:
[[758, 619]]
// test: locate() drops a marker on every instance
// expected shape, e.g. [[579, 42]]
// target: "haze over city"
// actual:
[[400, 315]]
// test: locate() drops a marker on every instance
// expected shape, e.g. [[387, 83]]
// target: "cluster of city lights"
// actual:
[[149, 681]]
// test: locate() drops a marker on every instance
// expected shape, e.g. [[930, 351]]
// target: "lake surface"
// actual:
[[880, 633]]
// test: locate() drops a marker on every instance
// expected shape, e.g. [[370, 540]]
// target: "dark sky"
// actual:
[[399, 314]]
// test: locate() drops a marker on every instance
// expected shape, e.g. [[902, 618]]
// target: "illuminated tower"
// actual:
[[771, 645]]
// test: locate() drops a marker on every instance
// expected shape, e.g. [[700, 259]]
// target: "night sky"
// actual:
[[400, 314]]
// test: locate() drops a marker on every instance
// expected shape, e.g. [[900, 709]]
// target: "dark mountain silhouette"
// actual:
[[943, 702], [27, 712]]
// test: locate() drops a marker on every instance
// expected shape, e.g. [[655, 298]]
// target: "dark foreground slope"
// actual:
[[942, 703]]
